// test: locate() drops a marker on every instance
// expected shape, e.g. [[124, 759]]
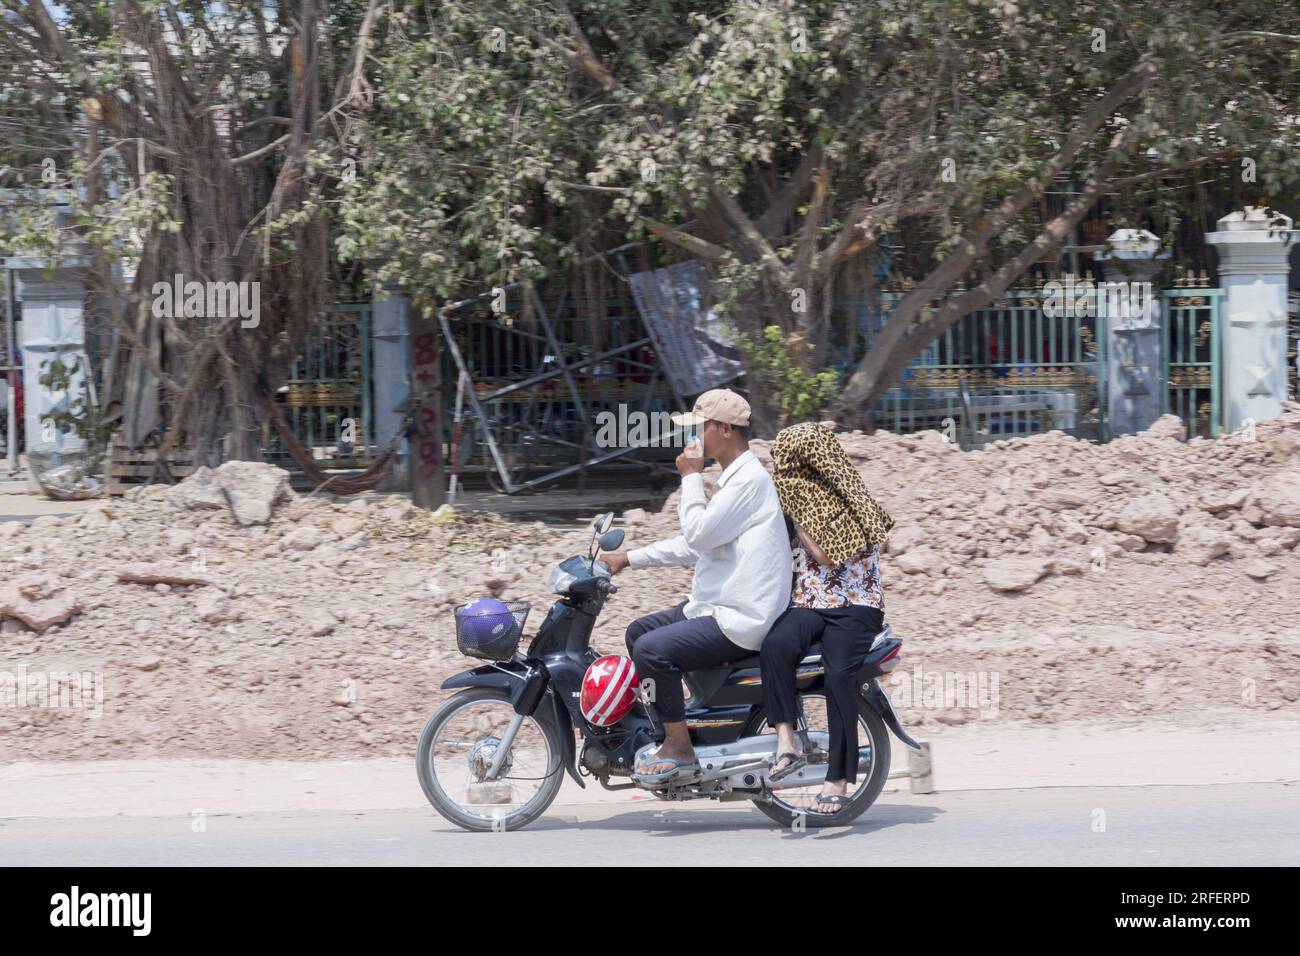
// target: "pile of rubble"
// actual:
[[230, 616], [1024, 509]]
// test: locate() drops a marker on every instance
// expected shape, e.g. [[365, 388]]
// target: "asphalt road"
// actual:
[[1227, 825]]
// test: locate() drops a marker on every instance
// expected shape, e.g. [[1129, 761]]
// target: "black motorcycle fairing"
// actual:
[[713, 725], [524, 684], [566, 729], [871, 663], [567, 629], [704, 684], [506, 676], [510, 677], [529, 695], [876, 698], [567, 675]]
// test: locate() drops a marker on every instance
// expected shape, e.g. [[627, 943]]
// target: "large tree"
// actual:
[[780, 142], [192, 139]]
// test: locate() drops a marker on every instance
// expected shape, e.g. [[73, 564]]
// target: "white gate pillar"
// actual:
[[53, 328], [1129, 315], [1253, 249]]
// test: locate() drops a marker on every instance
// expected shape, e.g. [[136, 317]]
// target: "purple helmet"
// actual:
[[485, 620]]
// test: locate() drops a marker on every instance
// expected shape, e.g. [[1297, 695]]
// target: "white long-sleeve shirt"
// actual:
[[738, 544]]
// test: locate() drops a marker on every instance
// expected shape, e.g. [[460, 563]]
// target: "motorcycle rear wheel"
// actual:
[[871, 732]]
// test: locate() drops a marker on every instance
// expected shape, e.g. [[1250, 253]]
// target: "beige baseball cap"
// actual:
[[716, 405]]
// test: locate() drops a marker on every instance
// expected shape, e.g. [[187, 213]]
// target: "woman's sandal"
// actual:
[[797, 762], [835, 799]]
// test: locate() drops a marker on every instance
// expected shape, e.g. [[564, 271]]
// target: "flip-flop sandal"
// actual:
[[797, 762], [666, 776], [836, 799]]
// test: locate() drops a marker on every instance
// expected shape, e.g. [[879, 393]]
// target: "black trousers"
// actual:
[[665, 644], [846, 634]]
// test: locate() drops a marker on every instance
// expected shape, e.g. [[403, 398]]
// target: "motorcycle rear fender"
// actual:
[[880, 702], [510, 678]]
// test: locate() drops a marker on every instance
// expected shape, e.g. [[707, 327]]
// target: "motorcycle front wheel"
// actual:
[[792, 804], [456, 750]]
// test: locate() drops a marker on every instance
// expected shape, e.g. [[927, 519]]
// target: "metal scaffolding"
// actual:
[[536, 377]]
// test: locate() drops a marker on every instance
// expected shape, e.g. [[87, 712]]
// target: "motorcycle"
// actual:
[[493, 755]]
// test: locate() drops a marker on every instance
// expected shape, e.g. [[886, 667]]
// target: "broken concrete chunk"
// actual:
[[39, 600], [249, 489], [1278, 500], [160, 573], [201, 490], [1014, 574], [253, 489], [1153, 518]]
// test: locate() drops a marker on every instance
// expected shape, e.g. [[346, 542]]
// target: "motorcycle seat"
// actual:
[[703, 684], [814, 656]]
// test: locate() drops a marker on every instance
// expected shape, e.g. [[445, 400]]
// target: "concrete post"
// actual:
[[1129, 312], [390, 363], [53, 328], [1253, 248]]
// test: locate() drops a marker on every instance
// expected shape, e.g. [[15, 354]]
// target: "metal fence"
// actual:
[[541, 369], [1293, 345], [1002, 371], [328, 398], [1011, 369], [1192, 358]]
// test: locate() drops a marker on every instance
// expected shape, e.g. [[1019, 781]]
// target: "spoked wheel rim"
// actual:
[[462, 749], [800, 800]]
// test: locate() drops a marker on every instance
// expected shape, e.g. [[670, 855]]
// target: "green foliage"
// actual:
[[499, 140], [794, 393], [493, 155]]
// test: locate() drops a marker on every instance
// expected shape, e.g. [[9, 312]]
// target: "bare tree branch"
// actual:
[[695, 246]]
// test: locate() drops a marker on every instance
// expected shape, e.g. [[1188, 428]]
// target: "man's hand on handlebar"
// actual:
[[617, 561]]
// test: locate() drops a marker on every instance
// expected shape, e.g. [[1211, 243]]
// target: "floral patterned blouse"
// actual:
[[856, 581]]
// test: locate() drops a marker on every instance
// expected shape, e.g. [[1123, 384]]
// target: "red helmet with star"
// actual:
[[608, 690]]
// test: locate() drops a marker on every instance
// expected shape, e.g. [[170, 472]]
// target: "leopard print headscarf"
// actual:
[[823, 493]]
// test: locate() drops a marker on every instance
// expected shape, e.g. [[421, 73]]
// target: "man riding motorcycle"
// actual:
[[738, 543]]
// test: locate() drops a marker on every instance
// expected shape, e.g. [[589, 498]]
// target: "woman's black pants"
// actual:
[[846, 634]]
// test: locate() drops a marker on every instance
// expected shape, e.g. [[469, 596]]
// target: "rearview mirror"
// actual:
[[611, 540], [600, 526]]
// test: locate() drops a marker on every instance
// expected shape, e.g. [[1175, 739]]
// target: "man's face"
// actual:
[[713, 436]]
